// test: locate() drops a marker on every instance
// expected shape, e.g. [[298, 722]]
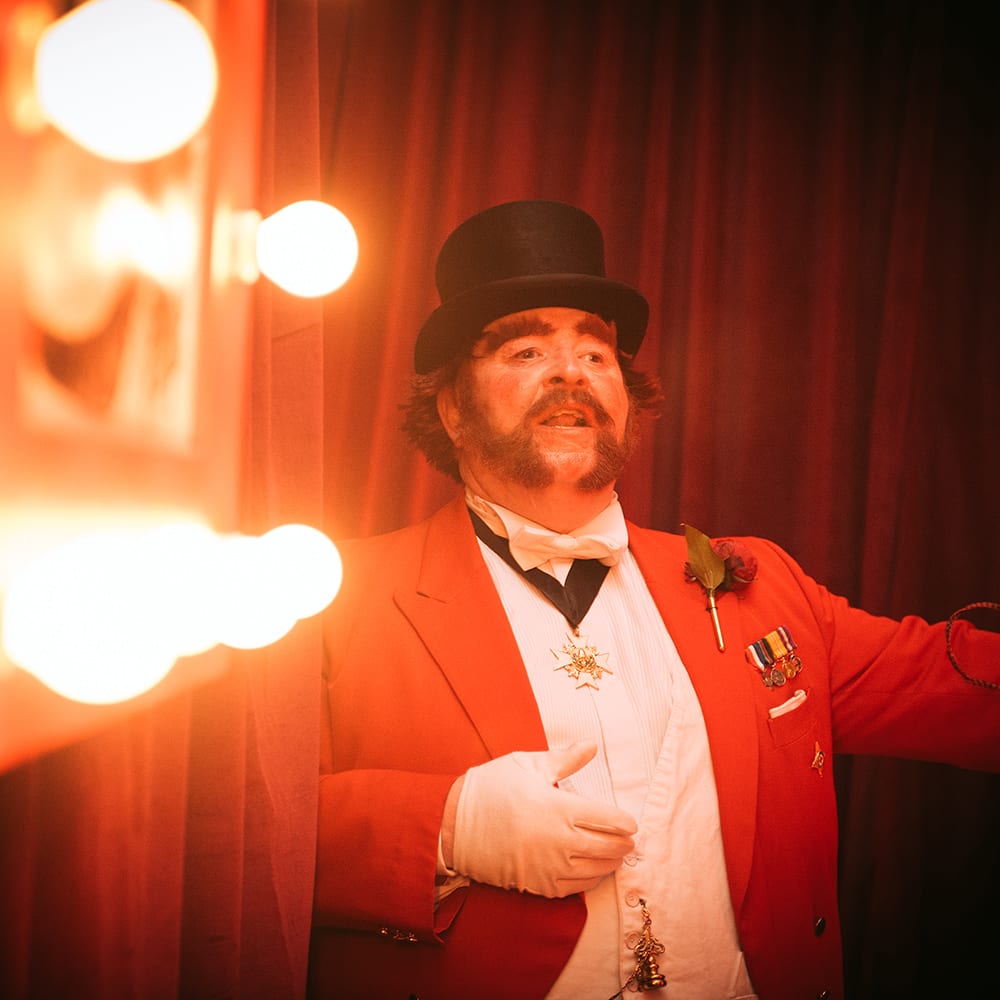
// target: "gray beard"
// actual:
[[515, 456]]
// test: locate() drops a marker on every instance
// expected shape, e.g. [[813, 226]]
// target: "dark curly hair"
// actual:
[[424, 428]]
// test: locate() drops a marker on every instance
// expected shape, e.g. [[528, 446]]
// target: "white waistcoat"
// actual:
[[653, 761]]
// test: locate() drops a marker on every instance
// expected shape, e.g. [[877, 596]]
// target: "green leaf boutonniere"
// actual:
[[718, 566]]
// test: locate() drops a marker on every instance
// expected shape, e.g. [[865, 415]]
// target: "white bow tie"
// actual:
[[604, 538], [532, 545]]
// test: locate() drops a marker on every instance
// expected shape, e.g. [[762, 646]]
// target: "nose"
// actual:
[[566, 368]]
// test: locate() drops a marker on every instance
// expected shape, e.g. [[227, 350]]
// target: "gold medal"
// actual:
[[774, 656], [586, 665]]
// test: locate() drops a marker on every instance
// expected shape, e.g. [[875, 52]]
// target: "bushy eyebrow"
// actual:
[[512, 327], [597, 327]]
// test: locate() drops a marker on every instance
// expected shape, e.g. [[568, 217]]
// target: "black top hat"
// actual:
[[523, 255]]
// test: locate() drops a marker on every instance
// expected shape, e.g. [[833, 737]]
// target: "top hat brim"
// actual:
[[457, 324]]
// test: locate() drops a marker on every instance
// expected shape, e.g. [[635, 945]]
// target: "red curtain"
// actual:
[[807, 194]]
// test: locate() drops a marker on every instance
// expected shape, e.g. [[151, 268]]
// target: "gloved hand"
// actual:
[[516, 830]]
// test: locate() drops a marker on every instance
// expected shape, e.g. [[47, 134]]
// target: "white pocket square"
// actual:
[[789, 705]]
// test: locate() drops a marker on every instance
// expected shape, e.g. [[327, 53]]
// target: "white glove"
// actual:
[[516, 830]]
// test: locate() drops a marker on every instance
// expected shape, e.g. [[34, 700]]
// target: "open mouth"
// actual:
[[566, 418]]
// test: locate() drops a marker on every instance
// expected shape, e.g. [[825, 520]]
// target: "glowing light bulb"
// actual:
[[265, 585], [308, 248], [249, 612], [128, 80], [181, 560], [307, 564], [103, 616], [76, 620]]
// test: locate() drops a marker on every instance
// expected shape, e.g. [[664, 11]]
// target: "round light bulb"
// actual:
[[180, 561], [249, 611], [79, 619], [308, 248], [103, 616], [128, 80], [308, 565]]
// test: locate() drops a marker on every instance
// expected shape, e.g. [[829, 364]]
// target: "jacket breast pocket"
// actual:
[[793, 720]]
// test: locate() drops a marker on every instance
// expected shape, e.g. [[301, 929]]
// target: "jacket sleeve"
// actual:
[[894, 691], [377, 850]]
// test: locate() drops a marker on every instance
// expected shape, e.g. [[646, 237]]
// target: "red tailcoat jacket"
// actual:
[[425, 680]]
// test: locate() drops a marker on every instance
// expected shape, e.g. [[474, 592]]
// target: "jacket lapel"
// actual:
[[722, 683], [455, 610], [458, 616]]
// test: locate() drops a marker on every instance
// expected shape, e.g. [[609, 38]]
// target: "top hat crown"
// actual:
[[523, 255]]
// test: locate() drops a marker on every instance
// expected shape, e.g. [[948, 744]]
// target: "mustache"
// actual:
[[562, 397]]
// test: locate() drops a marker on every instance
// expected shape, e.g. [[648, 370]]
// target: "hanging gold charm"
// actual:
[[647, 975], [585, 663]]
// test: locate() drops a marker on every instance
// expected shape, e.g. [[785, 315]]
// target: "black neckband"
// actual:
[[582, 583]]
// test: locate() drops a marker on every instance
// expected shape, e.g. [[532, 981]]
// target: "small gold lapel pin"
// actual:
[[819, 759]]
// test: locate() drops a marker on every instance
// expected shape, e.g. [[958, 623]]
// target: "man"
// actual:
[[548, 777]]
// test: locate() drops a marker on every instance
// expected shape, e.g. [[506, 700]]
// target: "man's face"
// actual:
[[542, 400]]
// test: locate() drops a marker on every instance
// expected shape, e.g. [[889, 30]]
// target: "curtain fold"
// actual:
[[807, 194]]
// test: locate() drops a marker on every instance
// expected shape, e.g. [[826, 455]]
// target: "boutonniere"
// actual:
[[718, 566]]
